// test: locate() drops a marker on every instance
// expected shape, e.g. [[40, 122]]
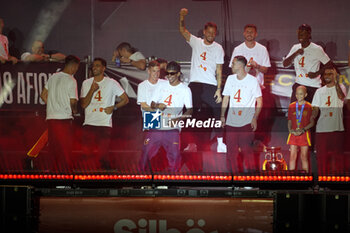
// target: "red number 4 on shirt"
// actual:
[[237, 96], [168, 100], [98, 96], [204, 56], [328, 101], [301, 62]]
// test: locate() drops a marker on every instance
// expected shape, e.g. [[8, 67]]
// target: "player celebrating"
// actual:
[[242, 91], [206, 63], [255, 53], [61, 96], [169, 97], [328, 101], [300, 120], [306, 57], [98, 100], [146, 89]]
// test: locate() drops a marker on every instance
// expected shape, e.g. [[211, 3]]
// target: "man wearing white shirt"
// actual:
[[206, 73], [38, 55], [306, 57], [61, 96], [129, 55], [255, 53], [146, 88], [170, 98], [97, 97], [328, 102], [242, 93]]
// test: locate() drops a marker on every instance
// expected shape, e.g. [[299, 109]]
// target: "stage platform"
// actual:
[[174, 209]]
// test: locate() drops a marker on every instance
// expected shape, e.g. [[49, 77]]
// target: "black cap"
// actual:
[[173, 65]]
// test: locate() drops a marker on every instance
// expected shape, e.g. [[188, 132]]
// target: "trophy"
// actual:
[[274, 160]]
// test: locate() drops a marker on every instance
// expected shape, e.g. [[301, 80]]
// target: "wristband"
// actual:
[[115, 108]]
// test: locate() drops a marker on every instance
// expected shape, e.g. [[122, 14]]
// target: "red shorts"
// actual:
[[301, 140]]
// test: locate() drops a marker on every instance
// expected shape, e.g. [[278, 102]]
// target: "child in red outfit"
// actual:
[[300, 120]]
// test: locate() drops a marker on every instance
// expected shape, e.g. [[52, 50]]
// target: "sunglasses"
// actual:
[[170, 73]]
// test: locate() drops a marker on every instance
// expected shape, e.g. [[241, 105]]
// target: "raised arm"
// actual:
[[186, 34]]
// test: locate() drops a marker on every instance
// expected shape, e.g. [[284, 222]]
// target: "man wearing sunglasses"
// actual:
[[168, 100], [206, 72]]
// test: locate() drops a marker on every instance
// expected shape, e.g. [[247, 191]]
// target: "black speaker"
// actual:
[[337, 213], [286, 212], [299, 212], [19, 209]]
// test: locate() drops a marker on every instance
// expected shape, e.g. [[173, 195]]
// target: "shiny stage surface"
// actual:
[[153, 215]]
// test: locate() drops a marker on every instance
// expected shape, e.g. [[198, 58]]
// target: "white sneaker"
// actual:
[[191, 147], [221, 148]]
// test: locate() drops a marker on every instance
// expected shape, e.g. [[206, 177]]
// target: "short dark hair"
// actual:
[[153, 64], [305, 27], [241, 59], [127, 46], [211, 24], [173, 65], [103, 61], [250, 26], [71, 59]]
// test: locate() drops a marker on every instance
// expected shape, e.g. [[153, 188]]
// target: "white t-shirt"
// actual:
[[145, 91], [175, 98], [258, 53], [61, 88], [243, 94], [104, 97], [4, 47], [331, 109], [308, 62], [204, 60], [137, 56]]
